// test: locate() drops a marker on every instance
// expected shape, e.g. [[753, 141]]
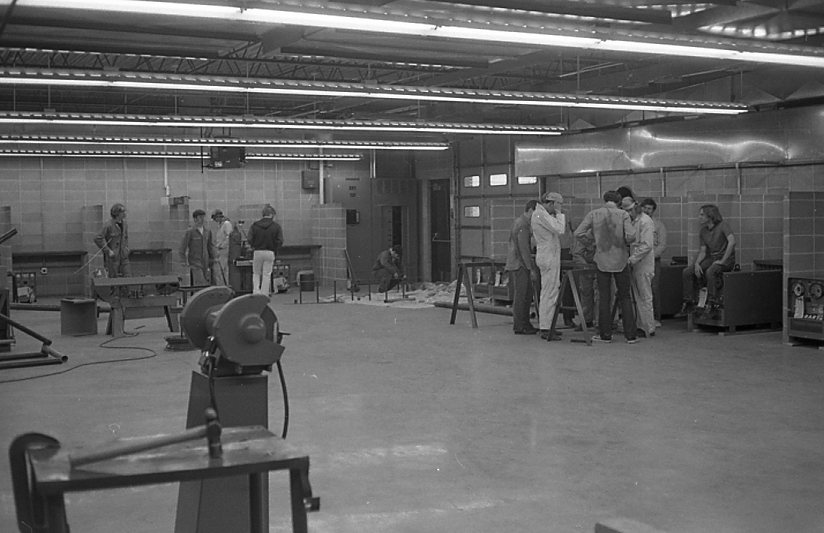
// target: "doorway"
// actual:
[[439, 194]]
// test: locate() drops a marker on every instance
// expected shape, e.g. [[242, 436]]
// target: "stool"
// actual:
[[78, 316]]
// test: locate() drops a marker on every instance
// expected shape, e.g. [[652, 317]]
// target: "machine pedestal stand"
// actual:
[[221, 505]]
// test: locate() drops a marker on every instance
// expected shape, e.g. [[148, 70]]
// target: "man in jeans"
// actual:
[[716, 255], [613, 232], [523, 274]]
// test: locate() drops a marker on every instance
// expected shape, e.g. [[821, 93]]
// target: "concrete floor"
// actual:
[[413, 425]]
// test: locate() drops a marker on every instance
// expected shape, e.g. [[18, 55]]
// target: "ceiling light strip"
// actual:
[[173, 155], [174, 121], [200, 142], [364, 19], [84, 78]]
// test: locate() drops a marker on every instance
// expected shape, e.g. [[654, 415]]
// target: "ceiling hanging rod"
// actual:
[[278, 123], [268, 86], [148, 154], [218, 141]]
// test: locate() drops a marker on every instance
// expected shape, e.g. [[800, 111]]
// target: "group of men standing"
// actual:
[[206, 255], [619, 240]]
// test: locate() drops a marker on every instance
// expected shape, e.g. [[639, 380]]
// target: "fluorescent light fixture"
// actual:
[[189, 82], [174, 121], [223, 141], [542, 32], [171, 155]]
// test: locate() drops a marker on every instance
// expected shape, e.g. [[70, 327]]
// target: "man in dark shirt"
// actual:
[[523, 273], [113, 241], [716, 255], [265, 238], [387, 268]]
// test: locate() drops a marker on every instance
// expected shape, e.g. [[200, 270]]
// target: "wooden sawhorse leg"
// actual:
[[463, 277], [568, 283]]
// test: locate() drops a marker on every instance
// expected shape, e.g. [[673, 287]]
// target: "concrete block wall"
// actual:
[[60, 204], [329, 230]]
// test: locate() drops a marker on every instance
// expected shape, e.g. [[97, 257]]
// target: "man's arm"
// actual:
[[102, 240], [643, 244], [661, 245], [629, 229], [525, 248], [583, 233], [728, 250], [702, 253]]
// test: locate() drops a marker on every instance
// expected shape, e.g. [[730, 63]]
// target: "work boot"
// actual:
[[686, 309]]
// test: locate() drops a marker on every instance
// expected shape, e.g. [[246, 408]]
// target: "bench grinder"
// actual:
[[236, 335], [239, 339]]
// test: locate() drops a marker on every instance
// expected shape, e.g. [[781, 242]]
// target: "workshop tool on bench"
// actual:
[[46, 356], [31, 510], [211, 431]]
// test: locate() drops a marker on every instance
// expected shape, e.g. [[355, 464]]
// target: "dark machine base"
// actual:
[[221, 505]]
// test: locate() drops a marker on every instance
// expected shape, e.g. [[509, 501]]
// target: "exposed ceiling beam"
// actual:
[[580, 9]]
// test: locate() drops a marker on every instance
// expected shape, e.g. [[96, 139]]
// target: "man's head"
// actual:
[[709, 214], [625, 191], [530, 206], [217, 216], [395, 250], [648, 206], [628, 204], [118, 212], [612, 196], [199, 215], [269, 211], [553, 202]]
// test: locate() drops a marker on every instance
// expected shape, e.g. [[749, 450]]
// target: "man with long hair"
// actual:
[[716, 255]]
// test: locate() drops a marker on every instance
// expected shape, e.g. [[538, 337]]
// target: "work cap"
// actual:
[[217, 213], [627, 202], [553, 197]]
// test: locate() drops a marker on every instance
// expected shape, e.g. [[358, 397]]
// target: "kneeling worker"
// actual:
[[387, 268]]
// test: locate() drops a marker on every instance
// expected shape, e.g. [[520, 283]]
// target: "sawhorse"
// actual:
[[465, 270], [569, 283]]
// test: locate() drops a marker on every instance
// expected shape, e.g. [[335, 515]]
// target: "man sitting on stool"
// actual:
[[387, 268], [715, 256]]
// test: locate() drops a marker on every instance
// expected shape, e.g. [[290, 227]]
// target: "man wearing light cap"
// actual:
[[220, 274], [548, 224]]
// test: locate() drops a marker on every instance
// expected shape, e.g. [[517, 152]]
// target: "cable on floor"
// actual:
[[103, 344]]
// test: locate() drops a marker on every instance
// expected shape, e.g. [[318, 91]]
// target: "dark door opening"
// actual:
[[440, 238]]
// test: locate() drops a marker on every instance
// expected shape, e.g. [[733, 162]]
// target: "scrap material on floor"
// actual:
[[415, 425]]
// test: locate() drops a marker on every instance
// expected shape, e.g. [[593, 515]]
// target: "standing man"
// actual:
[[548, 224], [113, 240], [387, 268], [716, 255], [642, 266], [611, 229], [649, 207], [583, 255], [197, 250], [224, 229], [265, 237], [523, 273]]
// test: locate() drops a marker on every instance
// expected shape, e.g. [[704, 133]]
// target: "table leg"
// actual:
[[299, 523], [256, 506]]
